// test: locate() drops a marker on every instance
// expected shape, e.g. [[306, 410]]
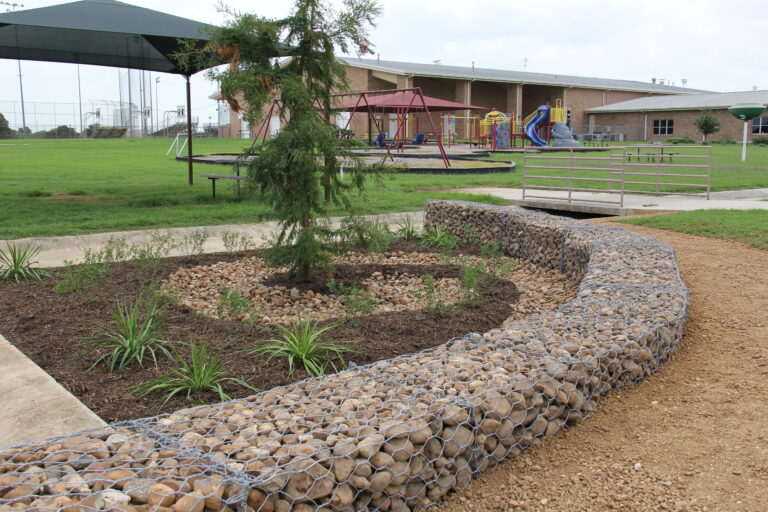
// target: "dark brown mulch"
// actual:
[[49, 327]]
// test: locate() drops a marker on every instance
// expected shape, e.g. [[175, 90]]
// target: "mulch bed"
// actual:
[[49, 327]]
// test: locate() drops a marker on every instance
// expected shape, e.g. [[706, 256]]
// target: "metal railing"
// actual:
[[605, 175]]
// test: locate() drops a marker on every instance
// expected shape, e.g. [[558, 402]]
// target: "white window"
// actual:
[[663, 126]]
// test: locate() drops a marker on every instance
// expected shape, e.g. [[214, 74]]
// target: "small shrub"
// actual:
[[16, 263], [367, 235], [680, 140], [406, 229], [134, 337], [435, 304], [439, 237], [149, 256], [473, 279], [204, 372], [306, 343], [193, 243], [756, 139], [357, 302], [84, 279], [235, 241], [232, 304]]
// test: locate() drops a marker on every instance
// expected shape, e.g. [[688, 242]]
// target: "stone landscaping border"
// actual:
[[396, 435]]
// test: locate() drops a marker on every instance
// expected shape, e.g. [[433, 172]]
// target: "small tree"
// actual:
[[707, 124], [5, 131], [296, 171]]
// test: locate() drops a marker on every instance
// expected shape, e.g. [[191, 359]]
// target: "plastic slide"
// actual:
[[532, 126]]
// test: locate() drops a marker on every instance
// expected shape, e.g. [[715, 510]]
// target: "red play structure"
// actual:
[[400, 102]]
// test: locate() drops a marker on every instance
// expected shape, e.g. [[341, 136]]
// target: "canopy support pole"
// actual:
[[189, 130]]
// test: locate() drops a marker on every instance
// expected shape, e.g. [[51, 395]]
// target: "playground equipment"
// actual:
[[495, 129], [746, 112], [554, 120]]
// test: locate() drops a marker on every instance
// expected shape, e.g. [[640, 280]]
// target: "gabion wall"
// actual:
[[395, 435]]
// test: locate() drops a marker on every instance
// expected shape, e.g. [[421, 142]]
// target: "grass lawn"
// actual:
[[68, 187], [728, 171], [71, 187], [748, 226]]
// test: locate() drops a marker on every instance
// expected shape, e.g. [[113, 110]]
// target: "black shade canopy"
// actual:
[[101, 33]]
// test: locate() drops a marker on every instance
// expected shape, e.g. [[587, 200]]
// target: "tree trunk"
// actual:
[[306, 270]]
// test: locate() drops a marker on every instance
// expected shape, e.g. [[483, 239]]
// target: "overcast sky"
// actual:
[[714, 45]]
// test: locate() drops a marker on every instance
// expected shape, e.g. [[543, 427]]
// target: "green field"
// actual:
[[747, 226], [69, 187]]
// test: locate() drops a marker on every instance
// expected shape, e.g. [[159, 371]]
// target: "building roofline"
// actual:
[[476, 74]]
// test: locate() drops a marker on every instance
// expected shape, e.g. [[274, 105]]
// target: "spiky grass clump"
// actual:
[[16, 263], [306, 343], [203, 373], [135, 335]]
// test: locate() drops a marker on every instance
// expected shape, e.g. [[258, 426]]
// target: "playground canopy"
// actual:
[[103, 33], [395, 102]]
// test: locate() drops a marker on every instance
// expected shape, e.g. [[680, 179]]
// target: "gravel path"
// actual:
[[691, 438]]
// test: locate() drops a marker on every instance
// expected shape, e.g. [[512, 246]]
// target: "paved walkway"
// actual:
[[34, 405], [634, 204], [54, 251]]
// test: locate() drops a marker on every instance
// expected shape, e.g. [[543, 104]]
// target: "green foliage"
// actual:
[[406, 230], [204, 372], [150, 256], [438, 236], [357, 302], [193, 243], [366, 235], [474, 278], [134, 336], [306, 343], [680, 140], [84, 279], [756, 139], [234, 241], [297, 172], [706, 123], [5, 131], [232, 304], [16, 263], [435, 304]]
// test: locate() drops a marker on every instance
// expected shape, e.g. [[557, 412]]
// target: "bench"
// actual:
[[652, 156], [214, 177]]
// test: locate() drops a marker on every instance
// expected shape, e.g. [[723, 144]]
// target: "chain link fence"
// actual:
[[395, 435]]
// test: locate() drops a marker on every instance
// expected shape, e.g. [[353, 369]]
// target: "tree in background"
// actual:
[[297, 170], [707, 124], [5, 130]]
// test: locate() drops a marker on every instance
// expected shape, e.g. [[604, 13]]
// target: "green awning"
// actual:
[[101, 33]]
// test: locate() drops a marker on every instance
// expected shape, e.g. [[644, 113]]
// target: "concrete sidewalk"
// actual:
[[35, 406], [634, 204], [54, 251]]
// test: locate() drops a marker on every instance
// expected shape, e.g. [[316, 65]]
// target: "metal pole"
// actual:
[[21, 91], [80, 99], [157, 103], [189, 130], [744, 143]]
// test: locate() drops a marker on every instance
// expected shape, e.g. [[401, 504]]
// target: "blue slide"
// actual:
[[531, 128]]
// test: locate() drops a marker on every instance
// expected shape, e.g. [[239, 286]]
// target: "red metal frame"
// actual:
[[401, 113]]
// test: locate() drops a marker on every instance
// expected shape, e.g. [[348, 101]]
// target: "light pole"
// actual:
[[157, 103], [13, 7]]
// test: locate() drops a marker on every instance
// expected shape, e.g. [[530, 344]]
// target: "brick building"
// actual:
[[662, 117], [516, 92]]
